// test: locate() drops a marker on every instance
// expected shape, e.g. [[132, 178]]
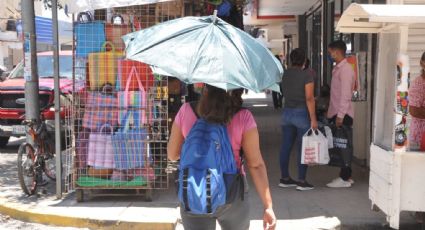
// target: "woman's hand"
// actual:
[[314, 124], [269, 219]]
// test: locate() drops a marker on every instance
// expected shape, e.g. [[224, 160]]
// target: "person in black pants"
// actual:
[[277, 96], [341, 109]]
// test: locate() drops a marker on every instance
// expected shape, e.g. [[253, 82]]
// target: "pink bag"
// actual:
[[100, 151], [133, 100]]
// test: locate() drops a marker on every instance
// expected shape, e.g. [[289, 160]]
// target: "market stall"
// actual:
[[120, 114], [396, 183]]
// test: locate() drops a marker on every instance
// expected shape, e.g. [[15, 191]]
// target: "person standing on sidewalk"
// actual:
[[298, 117], [218, 106], [341, 110], [277, 96]]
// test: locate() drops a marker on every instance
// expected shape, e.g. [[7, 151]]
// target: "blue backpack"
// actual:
[[209, 180]]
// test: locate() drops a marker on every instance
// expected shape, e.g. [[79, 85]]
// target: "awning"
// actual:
[[75, 6], [375, 18]]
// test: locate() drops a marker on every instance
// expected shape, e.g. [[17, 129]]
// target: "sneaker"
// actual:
[[287, 183], [351, 181], [339, 183], [304, 186]]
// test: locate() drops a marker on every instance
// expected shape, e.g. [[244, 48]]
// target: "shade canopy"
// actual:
[[375, 18], [75, 6]]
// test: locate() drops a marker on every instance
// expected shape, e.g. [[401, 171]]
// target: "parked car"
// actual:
[[12, 94]]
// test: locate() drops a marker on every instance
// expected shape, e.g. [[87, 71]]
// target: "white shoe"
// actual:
[[339, 183]]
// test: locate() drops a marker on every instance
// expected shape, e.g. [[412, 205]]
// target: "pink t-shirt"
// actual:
[[240, 123]]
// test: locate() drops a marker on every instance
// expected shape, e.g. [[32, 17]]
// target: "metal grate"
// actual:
[[119, 115]]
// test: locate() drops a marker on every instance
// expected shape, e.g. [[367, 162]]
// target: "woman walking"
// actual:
[[297, 118], [221, 107]]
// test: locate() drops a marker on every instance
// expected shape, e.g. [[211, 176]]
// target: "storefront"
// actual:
[[394, 184]]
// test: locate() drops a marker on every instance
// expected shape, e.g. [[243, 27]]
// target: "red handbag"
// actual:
[[124, 72]]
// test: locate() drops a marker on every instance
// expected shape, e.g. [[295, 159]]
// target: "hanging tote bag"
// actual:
[[103, 67], [115, 31], [100, 151], [314, 148], [89, 35], [100, 108], [133, 100], [125, 67], [129, 144]]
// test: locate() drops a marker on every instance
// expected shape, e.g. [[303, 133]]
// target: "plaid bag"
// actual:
[[145, 75], [100, 153], [89, 35], [129, 145], [133, 100], [81, 148], [100, 109], [103, 67]]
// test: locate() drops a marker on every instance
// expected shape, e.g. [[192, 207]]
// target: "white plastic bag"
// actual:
[[329, 136], [314, 148]]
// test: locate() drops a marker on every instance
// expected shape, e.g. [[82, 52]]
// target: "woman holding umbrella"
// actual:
[[218, 106]]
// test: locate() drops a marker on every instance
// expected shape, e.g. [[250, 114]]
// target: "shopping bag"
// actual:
[[314, 148], [114, 32], [100, 108], [145, 73], [342, 152], [129, 144], [103, 67], [89, 35], [100, 151], [327, 131], [133, 100]]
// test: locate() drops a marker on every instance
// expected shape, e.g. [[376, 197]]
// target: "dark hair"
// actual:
[[307, 63], [338, 45], [218, 106], [297, 57]]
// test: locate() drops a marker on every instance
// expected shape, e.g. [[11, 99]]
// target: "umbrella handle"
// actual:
[[215, 16]]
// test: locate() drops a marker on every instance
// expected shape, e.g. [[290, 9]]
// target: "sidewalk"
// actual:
[[321, 208]]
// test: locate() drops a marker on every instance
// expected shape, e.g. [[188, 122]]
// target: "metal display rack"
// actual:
[[119, 114]]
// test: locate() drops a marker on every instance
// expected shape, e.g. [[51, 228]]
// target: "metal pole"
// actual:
[[57, 101], [32, 106]]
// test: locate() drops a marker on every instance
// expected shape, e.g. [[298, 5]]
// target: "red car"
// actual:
[[12, 94]]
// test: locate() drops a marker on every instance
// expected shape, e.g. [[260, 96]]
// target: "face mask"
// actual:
[[331, 59]]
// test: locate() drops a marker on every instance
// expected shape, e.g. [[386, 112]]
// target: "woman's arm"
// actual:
[[417, 112], [311, 104], [175, 143], [257, 169]]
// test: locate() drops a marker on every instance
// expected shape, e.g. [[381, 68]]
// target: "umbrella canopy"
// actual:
[[207, 50]]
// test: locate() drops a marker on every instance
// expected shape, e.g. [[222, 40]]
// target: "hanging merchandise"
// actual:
[[103, 67], [134, 102], [90, 35], [125, 67], [100, 152], [128, 145], [81, 148], [100, 109], [115, 30]]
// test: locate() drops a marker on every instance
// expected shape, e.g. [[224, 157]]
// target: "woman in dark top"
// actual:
[[297, 118]]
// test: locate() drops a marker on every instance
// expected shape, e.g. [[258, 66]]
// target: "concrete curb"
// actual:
[[67, 221]]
